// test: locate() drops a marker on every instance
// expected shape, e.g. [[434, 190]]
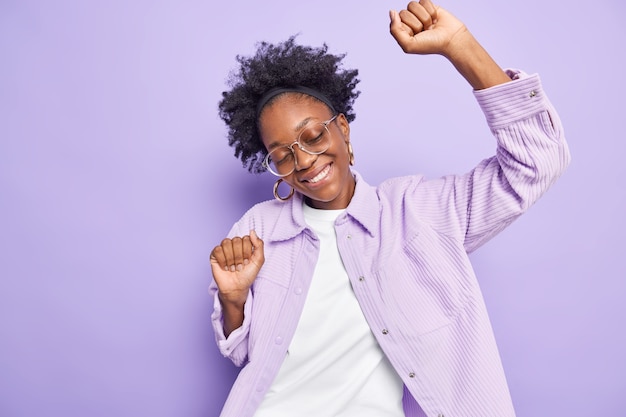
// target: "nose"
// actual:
[[302, 159]]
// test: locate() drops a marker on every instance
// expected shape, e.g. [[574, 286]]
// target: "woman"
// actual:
[[343, 299]]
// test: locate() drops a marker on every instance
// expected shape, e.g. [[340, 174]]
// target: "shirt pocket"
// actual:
[[426, 282], [269, 298]]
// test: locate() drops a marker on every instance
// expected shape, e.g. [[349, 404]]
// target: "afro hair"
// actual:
[[285, 64]]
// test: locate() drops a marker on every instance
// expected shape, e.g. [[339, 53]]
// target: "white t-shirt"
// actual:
[[334, 366]]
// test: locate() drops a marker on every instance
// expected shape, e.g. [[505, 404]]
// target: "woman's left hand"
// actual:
[[423, 28]]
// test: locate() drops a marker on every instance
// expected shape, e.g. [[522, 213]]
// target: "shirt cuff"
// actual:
[[227, 344], [516, 100]]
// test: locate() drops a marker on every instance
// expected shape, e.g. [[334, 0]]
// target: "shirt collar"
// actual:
[[364, 206], [289, 219]]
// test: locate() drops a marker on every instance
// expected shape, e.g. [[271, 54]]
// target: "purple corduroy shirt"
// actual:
[[405, 247]]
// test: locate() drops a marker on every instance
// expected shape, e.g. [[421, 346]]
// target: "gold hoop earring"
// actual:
[[351, 153], [278, 197]]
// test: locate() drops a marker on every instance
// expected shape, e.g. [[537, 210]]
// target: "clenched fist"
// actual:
[[235, 264], [423, 28]]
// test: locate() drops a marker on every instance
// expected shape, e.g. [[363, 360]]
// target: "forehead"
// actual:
[[289, 113], [292, 102]]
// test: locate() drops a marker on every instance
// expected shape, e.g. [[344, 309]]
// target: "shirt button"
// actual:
[[412, 375], [385, 331], [278, 340], [361, 278], [298, 291], [349, 237], [532, 94]]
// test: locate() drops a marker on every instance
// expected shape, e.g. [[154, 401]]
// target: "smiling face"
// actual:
[[325, 179]]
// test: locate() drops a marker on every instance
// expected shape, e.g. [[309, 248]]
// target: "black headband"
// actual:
[[298, 89]]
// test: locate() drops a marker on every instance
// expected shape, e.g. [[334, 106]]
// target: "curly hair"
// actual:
[[285, 64]]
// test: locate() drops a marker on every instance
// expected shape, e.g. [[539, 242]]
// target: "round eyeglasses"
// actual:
[[314, 140]]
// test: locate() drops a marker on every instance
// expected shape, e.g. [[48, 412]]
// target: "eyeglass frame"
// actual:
[[266, 163]]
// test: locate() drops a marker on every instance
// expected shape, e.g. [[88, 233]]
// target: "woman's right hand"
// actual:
[[235, 264]]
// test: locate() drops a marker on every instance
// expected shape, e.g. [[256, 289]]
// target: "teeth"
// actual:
[[320, 176]]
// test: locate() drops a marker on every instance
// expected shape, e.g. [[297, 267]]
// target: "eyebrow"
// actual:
[[303, 123], [298, 127]]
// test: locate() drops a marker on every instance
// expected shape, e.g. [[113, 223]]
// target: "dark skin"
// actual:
[[325, 180]]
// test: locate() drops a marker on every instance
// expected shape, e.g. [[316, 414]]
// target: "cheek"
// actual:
[[290, 182], [342, 150]]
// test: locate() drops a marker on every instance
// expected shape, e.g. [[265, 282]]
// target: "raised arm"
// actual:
[[531, 151]]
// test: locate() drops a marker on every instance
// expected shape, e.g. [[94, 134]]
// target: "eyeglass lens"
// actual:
[[313, 140]]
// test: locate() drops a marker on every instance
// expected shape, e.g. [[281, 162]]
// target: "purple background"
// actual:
[[116, 181]]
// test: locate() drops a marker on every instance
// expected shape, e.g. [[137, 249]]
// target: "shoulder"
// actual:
[[415, 190], [262, 211], [264, 208], [415, 198], [264, 217], [390, 186], [395, 187]]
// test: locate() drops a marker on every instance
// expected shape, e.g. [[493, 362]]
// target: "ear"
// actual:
[[344, 127]]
